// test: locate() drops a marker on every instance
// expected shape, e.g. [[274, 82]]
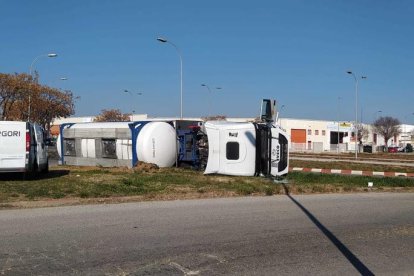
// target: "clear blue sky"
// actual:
[[295, 51]]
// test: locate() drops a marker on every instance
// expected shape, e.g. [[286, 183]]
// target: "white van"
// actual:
[[22, 148]]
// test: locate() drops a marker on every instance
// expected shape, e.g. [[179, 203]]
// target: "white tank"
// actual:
[[156, 142]]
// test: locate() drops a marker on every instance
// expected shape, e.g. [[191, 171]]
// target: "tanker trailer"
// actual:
[[114, 144]]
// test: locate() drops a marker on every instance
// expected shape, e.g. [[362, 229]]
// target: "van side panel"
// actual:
[[41, 149], [12, 146]]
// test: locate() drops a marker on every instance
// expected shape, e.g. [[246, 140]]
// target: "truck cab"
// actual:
[[248, 148]]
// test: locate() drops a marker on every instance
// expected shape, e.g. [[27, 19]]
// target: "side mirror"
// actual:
[[268, 110]]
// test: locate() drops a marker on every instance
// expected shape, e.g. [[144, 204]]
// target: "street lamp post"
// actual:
[[209, 98], [53, 82], [163, 40], [51, 55], [356, 110], [211, 95], [337, 146], [130, 93], [376, 114]]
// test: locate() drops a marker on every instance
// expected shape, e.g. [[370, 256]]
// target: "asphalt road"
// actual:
[[350, 234]]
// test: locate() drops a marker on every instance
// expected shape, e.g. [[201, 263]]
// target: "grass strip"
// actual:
[[178, 183]]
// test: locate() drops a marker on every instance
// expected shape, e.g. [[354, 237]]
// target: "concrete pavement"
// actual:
[[352, 234]]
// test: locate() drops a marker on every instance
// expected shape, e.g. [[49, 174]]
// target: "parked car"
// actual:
[[406, 148], [393, 148], [367, 148]]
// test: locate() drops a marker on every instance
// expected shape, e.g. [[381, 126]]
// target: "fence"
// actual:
[[317, 147]]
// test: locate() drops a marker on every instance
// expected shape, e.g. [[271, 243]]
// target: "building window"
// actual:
[[69, 148], [109, 148], [323, 132], [316, 132], [309, 132], [232, 151]]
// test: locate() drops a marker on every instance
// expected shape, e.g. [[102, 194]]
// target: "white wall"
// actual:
[[316, 130]]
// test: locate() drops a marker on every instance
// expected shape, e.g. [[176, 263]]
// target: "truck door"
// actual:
[[41, 152]]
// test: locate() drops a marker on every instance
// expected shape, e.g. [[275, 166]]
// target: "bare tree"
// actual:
[[112, 115], [14, 88], [387, 127], [46, 102], [214, 118], [362, 132]]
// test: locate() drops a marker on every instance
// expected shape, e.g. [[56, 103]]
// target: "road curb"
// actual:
[[352, 172]]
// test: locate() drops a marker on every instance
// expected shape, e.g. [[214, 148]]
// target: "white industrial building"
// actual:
[[320, 135]]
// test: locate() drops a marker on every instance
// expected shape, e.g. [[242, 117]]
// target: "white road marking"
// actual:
[[378, 173], [184, 270], [400, 174], [211, 256]]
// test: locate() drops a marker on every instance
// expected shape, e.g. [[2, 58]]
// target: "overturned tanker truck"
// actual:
[[217, 147]]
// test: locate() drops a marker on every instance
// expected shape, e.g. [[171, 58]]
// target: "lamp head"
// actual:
[[52, 55], [161, 39]]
